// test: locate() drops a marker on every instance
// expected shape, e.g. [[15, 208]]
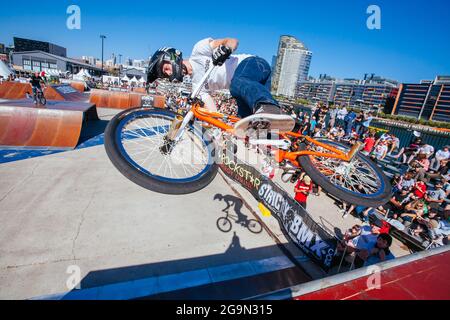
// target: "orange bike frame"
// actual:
[[214, 118]]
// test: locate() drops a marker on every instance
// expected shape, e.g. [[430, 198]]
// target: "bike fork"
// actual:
[[176, 130]]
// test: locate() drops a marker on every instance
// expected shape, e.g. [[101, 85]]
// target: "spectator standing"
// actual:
[[369, 142], [333, 114], [341, 113], [443, 154], [366, 124], [302, 190], [349, 120]]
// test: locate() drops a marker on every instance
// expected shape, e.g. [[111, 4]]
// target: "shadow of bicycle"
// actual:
[[224, 224]]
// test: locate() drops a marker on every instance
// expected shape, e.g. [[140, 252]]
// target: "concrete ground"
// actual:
[[75, 209]]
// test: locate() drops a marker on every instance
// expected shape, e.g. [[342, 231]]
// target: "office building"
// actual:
[[21, 45], [429, 100], [368, 92]]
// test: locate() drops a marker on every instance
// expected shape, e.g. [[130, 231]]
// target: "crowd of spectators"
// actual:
[[419, 204], [421, 187]]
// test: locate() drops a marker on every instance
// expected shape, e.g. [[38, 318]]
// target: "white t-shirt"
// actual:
[[380, 150], [220, 78], [441, 154], [342, 113], [427, 149]]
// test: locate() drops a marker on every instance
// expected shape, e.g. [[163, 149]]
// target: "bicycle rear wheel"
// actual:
[[42, 100], [359, 182], [134, 139], [223, 224]]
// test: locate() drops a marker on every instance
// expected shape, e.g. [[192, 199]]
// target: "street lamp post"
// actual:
[[103, 38]]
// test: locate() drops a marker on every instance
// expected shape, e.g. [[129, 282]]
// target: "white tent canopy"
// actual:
[[125, 78], [141, 80], [86, 73], [80, 75], [134, 79], [4, 70]]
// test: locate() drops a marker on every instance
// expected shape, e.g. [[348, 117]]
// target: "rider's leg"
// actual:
[[243, 109], [251, 84], [34, 89]]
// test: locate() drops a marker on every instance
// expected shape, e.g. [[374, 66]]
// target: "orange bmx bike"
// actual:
[[169, 152]]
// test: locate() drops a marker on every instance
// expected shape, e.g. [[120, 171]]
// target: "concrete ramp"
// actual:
[[58, 124], [123, 100]]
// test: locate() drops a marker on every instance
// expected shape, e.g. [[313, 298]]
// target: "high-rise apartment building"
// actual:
[[292, 65]]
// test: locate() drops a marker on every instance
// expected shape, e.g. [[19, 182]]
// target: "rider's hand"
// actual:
[[220, 54]]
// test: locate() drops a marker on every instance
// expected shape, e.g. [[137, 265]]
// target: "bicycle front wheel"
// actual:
[[359, 182], [135, 144]]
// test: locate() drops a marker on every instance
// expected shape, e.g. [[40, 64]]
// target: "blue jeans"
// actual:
[[250, 85]]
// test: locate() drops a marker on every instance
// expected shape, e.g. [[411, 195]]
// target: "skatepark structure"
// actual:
[[58, 124], [18, 90], [417, 276], [122, 100]]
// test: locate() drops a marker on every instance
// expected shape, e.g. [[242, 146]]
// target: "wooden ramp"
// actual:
[[123, 100], [57, 124]]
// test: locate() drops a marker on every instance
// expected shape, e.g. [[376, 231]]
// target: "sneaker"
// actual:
[[345, 215], [266, 117]]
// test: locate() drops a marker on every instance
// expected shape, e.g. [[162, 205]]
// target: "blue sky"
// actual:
[[413, 43]]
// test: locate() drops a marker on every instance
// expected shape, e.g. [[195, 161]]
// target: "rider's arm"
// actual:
[[228, 42]]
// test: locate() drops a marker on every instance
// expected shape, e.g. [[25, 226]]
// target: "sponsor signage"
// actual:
[[307, 234]]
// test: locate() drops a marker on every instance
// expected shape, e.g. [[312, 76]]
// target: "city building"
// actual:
[[292, 65], [89, 59], [321, 90], [369, 92], [429, 100], [139, 63], [21, 45], [30, 61]]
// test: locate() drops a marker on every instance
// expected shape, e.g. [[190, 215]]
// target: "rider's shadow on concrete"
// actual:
[[232, 201], [224, 223]]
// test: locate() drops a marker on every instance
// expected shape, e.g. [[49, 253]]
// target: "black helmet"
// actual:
[[172, 55]]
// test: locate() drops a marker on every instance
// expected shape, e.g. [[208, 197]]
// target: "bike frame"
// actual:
[[216, 119], [219, 120]]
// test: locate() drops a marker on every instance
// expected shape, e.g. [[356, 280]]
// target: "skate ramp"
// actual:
[[14, 90], [63, 92], [56, 125], [124, 100], [79, 86]]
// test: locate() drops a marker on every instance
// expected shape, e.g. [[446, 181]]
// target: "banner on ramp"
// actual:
[[307, 234]]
